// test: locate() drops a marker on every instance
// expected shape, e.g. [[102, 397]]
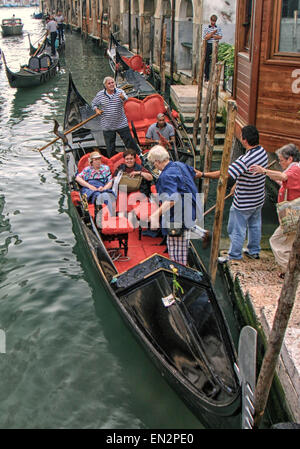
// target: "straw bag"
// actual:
[[133, 184], [288, 214]]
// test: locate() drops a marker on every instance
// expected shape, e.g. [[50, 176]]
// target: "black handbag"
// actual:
[[175, 229]]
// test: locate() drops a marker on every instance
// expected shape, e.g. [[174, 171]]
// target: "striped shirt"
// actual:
[[208, 29], [113, 116], [250, 188]]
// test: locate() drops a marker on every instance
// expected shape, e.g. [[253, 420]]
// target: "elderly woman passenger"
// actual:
[[96, 181], [289, 181]]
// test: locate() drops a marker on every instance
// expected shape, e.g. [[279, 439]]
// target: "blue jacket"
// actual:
[[176, 183]]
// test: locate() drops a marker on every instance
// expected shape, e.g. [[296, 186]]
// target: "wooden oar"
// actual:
[[39, 46], [69, 131]]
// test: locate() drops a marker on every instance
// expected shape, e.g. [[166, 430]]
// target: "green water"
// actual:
[[70, 361]]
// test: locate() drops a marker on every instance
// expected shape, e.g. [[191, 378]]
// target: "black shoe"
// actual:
[[150, 233], [250, 256], [163, 242]]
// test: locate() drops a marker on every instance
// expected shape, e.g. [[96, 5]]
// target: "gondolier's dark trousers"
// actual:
[[52, 40], [60, 29], [110, 140], [208, 56]]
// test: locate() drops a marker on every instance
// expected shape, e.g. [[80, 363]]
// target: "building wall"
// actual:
[[190, 15]]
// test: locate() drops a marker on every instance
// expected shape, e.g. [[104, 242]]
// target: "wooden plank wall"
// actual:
[[278, 103], [267, 89]]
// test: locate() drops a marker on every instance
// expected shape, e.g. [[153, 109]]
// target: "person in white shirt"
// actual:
[[211, 33], [60, 26], [52, 30]]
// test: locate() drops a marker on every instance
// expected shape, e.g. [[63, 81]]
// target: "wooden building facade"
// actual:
[[267, 70]]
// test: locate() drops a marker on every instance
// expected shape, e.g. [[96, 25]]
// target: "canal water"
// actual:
[[69, 360]]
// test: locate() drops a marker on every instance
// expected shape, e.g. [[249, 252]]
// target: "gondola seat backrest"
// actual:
[[118, 159], [143, 113], [135, 63], [34, 64], [84, 162], [45, 62]]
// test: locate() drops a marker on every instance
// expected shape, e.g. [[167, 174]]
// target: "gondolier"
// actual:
[[52, 30], [60, 26], [109, 102]]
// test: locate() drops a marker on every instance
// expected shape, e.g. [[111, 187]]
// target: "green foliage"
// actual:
[[226, 54]]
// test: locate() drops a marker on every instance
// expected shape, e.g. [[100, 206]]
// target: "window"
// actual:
[[247, 24], [289, 40]]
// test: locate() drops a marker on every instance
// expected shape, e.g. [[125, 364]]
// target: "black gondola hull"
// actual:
[[25, 78], [189, 342]]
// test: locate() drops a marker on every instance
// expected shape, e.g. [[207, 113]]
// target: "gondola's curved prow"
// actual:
[[190, 337]]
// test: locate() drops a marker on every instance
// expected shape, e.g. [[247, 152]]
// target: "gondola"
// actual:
[[40, 69], [142, 108], [39, 15], [118, 54], [184, 333], [12, 27], [46, 47]]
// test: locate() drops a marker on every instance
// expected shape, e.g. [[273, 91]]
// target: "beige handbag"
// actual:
[[133, 184], [288, 214]]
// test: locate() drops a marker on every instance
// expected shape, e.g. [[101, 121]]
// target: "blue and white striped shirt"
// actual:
[[208, 29], [113, 116], [250, 188]]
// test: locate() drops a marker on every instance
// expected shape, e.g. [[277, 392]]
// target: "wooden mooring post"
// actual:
[[210, 141], [280, 323], [163, 60], [221, 189], [199, 93]]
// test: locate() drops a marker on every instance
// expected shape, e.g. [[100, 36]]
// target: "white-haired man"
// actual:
[[179, 203]]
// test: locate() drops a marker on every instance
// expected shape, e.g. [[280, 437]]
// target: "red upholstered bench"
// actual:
[[143, 211], [115, 228], [143, 113]]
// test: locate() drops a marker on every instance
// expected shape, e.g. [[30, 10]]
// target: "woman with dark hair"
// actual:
[[289, 180], [133, 169]]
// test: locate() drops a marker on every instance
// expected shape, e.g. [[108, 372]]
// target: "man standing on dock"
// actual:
[[211, 33], [249, 197], [109, 104]]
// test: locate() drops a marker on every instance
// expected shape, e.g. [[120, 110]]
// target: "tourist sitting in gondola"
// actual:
[[96, 181], [141, 178], [160, 132]]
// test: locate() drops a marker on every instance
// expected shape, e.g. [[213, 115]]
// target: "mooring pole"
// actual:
[[221, 189], [280, 324], [129, 25], [172, 41]]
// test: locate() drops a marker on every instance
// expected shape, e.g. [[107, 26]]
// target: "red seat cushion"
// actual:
[[84, 162], [92, 210], [153, 105], [114, 225], [75, 197], [136, 63], [144, 210], [134, 109]]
